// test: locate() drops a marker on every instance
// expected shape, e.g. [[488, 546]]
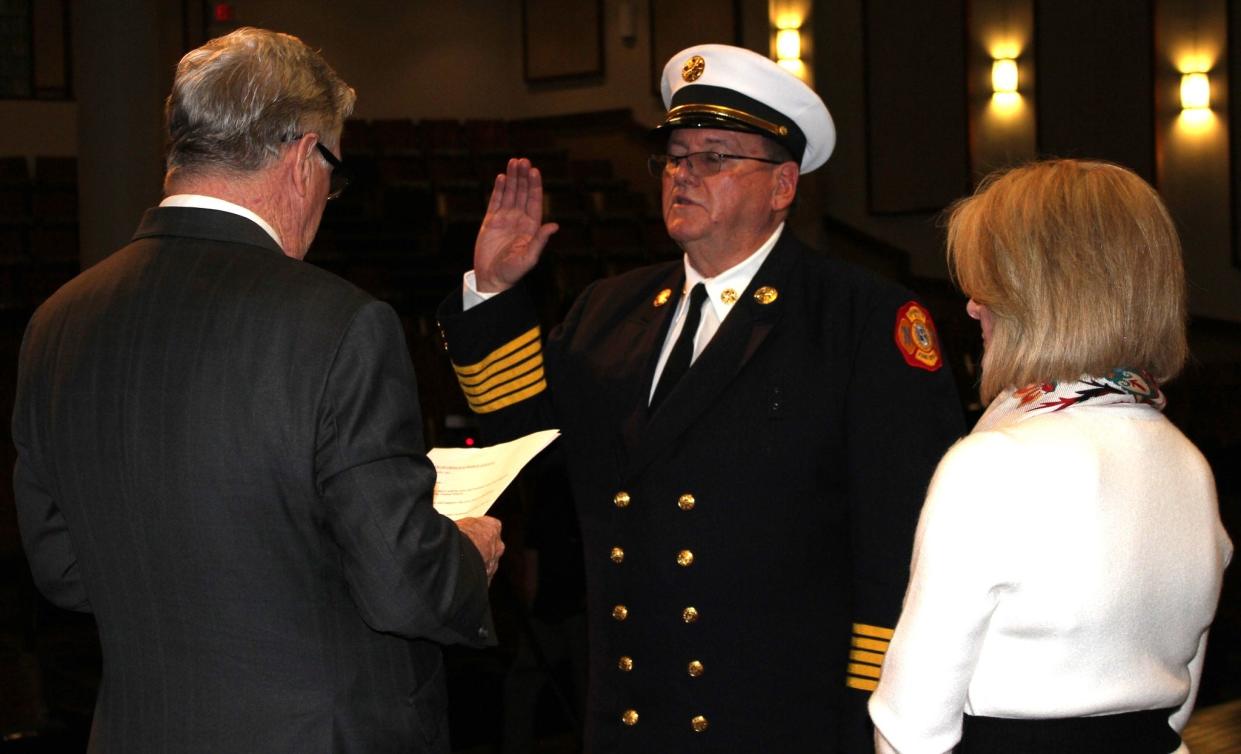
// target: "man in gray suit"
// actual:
[[220, 451]]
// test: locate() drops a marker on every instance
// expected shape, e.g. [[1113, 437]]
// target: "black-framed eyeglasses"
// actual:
[[339, 179], [699, 164]]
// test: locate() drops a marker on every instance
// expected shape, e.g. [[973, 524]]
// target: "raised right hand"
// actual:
[[513, 233]]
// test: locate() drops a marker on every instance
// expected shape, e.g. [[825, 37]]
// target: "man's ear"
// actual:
[[297, 165], [786, 175]]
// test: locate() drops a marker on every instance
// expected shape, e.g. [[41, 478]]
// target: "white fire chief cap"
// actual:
[[721, 86]]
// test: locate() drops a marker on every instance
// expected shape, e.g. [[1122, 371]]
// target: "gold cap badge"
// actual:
[[662, 297], [693, 68], [766, 295]]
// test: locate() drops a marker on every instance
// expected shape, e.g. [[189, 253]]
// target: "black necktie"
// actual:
[[683, 350]]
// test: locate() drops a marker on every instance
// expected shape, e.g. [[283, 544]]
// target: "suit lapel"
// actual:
[[740, 336]]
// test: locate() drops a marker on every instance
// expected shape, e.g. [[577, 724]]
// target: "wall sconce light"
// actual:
[[1195, 91], [788, 45], [789, 52], [1004, 76]]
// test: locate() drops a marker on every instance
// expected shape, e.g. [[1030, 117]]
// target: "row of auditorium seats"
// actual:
[[405, 228]]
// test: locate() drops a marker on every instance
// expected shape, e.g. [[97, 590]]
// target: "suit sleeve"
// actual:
[[409, 569], [44, 531], [903, 413]]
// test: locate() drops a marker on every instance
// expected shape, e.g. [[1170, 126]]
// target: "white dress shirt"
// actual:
[[200, 201], [723, 291]]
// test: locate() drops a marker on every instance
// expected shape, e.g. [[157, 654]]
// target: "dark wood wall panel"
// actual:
[[917, 129], [1094, 77]]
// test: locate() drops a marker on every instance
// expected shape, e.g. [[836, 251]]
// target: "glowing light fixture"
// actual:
[[1195, 91], [1004, 76], [789, 49], [788, 44]]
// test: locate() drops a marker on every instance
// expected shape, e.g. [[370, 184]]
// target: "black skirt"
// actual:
[[1144, 732]]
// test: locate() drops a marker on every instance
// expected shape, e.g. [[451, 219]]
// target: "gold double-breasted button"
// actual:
[[694, 668], [630, 717], [686, 502], [698, 723], [620, 612], [625, 663], [621, 499], [618, 555], [689, 614], [685, 558]]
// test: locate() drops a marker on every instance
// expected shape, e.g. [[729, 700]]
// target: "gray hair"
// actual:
[[237, 98]]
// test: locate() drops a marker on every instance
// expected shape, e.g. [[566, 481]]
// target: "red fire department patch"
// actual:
[[916, 338]]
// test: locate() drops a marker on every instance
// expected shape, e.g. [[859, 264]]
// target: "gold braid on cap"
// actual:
[[727, 112]]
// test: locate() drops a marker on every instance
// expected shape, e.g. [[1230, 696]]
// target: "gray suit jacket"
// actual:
[[220, 455]]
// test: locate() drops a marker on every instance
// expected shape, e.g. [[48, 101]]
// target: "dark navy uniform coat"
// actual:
[[747, 544]]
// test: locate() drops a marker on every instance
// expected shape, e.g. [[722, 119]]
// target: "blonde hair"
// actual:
[[1080, 266], [239, 97]]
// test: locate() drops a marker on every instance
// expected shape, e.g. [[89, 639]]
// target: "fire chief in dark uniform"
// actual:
[[749, 431]]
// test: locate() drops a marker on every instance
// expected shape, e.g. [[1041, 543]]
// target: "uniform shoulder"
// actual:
[[641, 276], [640, 283], [824, 269]]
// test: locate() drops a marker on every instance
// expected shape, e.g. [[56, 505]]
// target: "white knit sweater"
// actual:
[[1066, 564]]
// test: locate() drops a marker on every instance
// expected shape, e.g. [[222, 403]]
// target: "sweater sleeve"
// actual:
[[960, 568]]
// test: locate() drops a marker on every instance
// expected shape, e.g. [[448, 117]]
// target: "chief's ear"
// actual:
[[785, 189]]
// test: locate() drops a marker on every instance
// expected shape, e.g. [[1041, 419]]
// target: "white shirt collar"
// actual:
[[726, 288], [201, 201]]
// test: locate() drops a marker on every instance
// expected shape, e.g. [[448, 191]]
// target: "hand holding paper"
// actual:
[[484, 533]]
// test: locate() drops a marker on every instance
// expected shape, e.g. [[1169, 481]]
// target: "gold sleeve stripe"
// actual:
[[863, 684], [515, 360], [503, 352], [865, 671], [872, 644], [874, 658], [501, 391], [874, 632], [866, 658], [498, 379], [511, 398]]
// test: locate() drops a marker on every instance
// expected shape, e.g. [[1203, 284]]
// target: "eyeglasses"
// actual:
[[339, 180], [699, 164]]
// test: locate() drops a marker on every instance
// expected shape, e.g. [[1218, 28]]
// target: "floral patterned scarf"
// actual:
[[1119, 386]]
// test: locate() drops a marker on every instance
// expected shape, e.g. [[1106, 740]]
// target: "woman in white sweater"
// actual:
[[1069, 556]]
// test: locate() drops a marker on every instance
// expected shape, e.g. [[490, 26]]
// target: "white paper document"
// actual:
[[469, 480]]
